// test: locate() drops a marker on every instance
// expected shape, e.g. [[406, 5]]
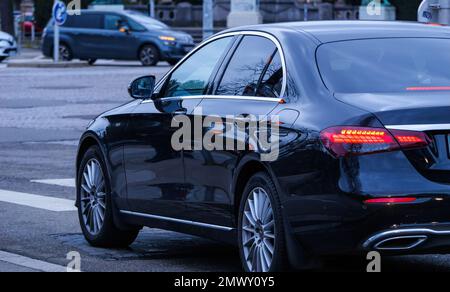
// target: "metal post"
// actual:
[[33, 33], [151, 8], [55, 40], [208, 18], [305, 11]]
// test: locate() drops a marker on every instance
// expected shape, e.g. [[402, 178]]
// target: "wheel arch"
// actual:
[[245, 171], [297, 257]]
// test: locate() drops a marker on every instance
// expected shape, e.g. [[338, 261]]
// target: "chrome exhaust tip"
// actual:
[[400, 243]]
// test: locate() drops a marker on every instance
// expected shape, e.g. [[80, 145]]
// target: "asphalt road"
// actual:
[[42, 114]]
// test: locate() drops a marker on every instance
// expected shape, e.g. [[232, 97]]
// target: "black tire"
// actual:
[[2, 59], [149, 55], [65, 52], [109, 235], [91, 62], [173, 62], [279, 259]]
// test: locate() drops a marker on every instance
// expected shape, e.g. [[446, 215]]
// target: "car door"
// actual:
[[154, 166], [250, 84], [118, 44], [88, 29]]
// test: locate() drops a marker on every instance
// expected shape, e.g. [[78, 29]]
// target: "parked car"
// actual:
[[364, 136], [8, 46], [117, 35]]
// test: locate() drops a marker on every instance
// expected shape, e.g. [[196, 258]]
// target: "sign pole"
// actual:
[[208, 18], [56, 43], [59, 13]]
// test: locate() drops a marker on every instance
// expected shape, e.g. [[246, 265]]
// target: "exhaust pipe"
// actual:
[[400, 242]]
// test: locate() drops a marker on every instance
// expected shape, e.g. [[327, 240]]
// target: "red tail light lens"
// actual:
[[390, 200], [345, 141]]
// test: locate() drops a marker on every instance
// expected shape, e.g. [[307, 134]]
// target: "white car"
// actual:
[[8, 46]]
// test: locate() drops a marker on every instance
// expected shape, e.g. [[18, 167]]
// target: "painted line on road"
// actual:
[[36, 201], [66, 182], [30, 263]]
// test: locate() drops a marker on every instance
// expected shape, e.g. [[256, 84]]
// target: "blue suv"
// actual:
[[121, 35]]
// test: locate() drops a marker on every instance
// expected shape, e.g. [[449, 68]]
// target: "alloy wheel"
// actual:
[[258, 231], [93, 197], [148, 56]]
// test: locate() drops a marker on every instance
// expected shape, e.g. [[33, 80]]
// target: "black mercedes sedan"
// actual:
[[359, 111]]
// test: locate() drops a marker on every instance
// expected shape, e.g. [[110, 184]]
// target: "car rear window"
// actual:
[[385, 65]]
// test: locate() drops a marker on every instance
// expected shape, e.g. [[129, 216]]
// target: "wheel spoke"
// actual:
[[269, 226], [249, 217], [270, 235], [256, 205], [86, 188], [252, 210], [269, 246], [249, 241], [249, 229], [267, 257], [86, 180]]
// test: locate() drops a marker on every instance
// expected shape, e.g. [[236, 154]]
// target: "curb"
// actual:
[[47, 64]]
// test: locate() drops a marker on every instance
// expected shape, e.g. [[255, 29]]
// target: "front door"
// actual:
[[154, 167]]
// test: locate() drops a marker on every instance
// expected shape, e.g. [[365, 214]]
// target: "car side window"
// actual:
[[271, 81], [135, 26], [249, 67], [113, 22], [193, 75], [91, 21]]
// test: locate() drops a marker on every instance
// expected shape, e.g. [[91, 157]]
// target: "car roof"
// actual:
[[340, 30]]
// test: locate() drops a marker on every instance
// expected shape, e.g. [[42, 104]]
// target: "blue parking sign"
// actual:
[[59, 13]]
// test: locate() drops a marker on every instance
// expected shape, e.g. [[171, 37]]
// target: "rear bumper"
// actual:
[[419, 239]]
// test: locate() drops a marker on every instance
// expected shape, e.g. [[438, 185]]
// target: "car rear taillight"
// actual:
[[345, 141]]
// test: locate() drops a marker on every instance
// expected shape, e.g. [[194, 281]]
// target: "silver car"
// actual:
[[8, 46]]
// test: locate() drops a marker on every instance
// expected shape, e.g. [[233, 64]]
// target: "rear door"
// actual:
[[87, 29], [250, 85]]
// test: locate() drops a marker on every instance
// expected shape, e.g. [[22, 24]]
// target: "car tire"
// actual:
[[91, 62], [149, 55], [261, 233], [95, 209], [65, 52]]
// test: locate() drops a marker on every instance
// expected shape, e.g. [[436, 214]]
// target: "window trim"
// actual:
[[236, 33]]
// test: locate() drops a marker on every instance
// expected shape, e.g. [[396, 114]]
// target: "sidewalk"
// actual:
[[33, 58]]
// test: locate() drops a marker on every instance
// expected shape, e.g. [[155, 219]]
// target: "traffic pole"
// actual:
[[208, 18], [55, 39]]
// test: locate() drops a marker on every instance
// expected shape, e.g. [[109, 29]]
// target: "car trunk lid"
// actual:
[[424, 111]]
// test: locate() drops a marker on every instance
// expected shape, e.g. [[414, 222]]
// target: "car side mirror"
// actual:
[[142, 87]]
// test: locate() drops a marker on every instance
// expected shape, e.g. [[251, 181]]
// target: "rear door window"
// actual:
[[254, 70], [90, 21]]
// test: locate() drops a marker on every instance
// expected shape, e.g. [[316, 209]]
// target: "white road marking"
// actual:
[[30, 263], [36, 201], [67, 182]]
